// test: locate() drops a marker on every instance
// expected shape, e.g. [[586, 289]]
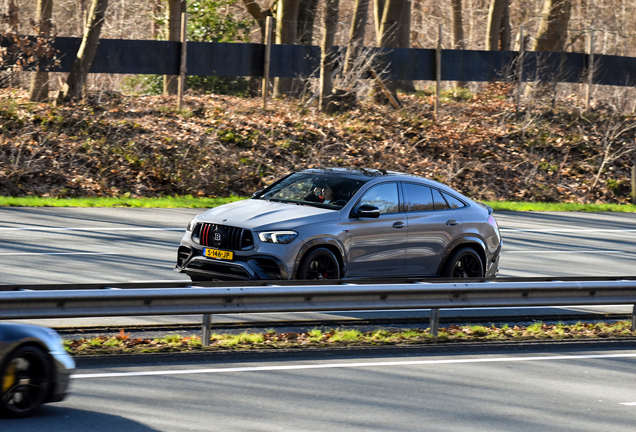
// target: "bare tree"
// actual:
[[175, 8], [39, 89], [389, 38], [258, 14], [498, 36], [458, 31], [327, 55], [356, 34], [404, 41], [305, 25], [286, 34], [76, 81], [552, 32]]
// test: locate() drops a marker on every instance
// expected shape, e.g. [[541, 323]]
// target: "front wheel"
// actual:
[[26, 381], [464, 263], [319, 264]]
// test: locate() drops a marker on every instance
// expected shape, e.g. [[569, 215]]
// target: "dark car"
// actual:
[[343, 223], [34, 368]]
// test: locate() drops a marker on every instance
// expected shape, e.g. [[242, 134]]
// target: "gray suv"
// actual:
[[343, 223]]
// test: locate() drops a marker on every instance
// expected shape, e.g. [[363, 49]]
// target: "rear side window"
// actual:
[[453, 202], [383, 196], [418, 198], [439, 201]]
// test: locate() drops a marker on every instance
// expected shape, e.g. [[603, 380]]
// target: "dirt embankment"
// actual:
[[114, 145]]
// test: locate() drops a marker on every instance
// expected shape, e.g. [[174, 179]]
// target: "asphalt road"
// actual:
[[83, 245], [513, 388]]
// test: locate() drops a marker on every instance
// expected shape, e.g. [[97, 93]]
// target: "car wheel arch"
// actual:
[[474, 242], [328, 243]]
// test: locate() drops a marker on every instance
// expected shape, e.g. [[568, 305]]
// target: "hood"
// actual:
[[260, 214]]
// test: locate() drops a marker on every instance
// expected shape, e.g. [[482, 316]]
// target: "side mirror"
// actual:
[[366, 210], [257, 193]]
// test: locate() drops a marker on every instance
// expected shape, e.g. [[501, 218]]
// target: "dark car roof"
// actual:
[[367, 174], [364, 174]]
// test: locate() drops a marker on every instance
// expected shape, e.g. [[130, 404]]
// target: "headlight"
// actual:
[[191, 224], [282, 237]]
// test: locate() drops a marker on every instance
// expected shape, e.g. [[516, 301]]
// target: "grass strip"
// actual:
[[560, 207], [187, 201], [122, 343]]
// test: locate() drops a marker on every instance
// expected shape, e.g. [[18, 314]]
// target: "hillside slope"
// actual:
[[113, 145]]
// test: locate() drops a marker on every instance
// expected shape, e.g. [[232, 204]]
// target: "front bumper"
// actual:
[[244, 267]]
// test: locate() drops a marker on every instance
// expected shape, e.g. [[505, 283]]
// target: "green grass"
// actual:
[[187, 201], [560, 207]]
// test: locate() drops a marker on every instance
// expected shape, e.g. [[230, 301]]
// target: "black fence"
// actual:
[[119, 56]]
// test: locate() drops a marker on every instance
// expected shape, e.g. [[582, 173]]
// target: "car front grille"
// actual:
[[223, 236]]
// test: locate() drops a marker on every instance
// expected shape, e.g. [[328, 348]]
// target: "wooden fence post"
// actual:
[[182, 69], [590, 72], [438, 70], [520, 71], [268, 53]]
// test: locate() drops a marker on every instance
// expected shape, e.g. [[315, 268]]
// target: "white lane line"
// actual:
[[349, 365], [628, 403], [565, 251], [567, 230], [161, 281], [89, 229], [60, 253]]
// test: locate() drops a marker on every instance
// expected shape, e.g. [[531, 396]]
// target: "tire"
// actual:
[[319, 264], [464, 263], [26, 379]]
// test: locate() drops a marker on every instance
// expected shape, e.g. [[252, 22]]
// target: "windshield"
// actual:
[[321, 190]]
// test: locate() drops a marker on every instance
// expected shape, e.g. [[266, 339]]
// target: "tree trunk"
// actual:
[[13, 16], [378, 11], [327, 56], [551, 36], [286, 34], [356, 34], [458, 31], [76, 81], [498, 22], [552, 32], [175, 7], [39, 89], [306, 17], [258, 14], [404, 41], [389, 32]]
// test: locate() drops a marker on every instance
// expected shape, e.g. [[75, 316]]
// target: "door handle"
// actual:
[[451, 222], [398, 225]]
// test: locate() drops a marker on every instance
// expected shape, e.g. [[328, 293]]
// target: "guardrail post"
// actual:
[[434, 322], [206, 330], [634, 318]]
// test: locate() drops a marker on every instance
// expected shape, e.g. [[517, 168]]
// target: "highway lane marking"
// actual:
[[89, 229], [349, 365], [566, 251], [60, 253], [566, 230], [628, 403]]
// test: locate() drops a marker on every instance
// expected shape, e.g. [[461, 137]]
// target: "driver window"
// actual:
[[384, 197]]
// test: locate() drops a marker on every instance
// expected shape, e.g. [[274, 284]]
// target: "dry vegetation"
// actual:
[[122, 343], [113, 145]]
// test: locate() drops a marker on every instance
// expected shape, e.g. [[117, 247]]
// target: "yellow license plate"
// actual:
[[218, 254]]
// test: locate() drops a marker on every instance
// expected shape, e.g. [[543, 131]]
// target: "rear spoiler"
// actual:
[[486, 206]]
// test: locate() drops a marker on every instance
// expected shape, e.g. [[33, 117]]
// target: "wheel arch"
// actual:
[[473, 242], [327, 243]]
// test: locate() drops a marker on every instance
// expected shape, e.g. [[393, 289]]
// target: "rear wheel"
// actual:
[[26, 381], [464, 263], [319, 264]]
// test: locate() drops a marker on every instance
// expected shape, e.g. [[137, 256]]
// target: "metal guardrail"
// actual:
[[309, 297]]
